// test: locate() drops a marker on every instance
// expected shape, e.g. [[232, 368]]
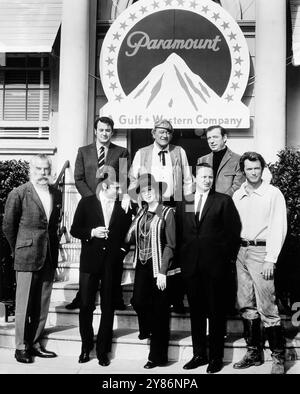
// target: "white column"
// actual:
[[270, 78], [73, 81]]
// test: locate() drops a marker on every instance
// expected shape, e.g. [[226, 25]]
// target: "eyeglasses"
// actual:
[[162, 131]]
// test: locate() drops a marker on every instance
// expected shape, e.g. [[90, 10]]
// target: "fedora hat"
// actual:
[[147, 180]]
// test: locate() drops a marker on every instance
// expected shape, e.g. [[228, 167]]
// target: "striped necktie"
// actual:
[[101, 159]]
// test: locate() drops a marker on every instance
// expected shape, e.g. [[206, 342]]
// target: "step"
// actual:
[[68, 264], [59, 315], [126, 345], [66, 292]]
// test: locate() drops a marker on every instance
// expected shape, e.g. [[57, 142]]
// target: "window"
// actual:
[[24, 96]]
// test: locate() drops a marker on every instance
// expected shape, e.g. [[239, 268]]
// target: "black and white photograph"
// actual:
[[149, 190]]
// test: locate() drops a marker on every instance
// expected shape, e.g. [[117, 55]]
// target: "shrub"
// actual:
[[286, 176], [13, 173]]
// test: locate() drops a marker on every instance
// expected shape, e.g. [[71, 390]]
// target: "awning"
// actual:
[[29, 25], [295, 16]]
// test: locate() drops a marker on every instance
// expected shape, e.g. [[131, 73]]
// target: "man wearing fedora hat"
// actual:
[[101, 224], [153, 233]]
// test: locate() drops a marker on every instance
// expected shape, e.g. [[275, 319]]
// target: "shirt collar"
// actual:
[[157, 148], [197, 194], [261, 190], [98, 146]]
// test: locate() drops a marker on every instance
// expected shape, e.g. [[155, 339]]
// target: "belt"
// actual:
[[246, 242]]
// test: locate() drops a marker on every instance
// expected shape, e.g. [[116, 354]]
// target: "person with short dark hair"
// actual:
[[208, 233], [31, 221], [153, 233], [262, 210], [225, 163], [92, 163], [101, 224]]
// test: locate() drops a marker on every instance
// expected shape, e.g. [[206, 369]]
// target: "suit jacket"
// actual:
[[27, 229], [212, 242], [96, 252], [86, 166], [229, 176]]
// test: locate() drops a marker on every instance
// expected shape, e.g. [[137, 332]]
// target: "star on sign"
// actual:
[[205, 9], [110, 74], [109, 61], [225, 25], [232, 36], [229, 98], [180, 2], [238, 74], [237, 48], [216, 16], [112, 48], [235, 86], [238, 60], [123, 25], [168, 2], [193, 4], [155, 5], [113, 86], [117, 36], [132, 17], [119, 97], [143, 10]]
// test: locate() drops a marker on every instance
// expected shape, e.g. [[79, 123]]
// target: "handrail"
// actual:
[[60, 184], [62, 173]]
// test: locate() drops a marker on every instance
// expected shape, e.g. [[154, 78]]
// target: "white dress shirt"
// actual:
[[263, 216], [107, 208], [98, 146], [46, 199], [197, 197]]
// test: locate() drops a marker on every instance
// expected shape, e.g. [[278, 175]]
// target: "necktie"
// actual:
[[101, 159], [162, 155], [199, 205]]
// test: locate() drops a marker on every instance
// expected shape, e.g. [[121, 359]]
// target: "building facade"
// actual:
[[51, 90]]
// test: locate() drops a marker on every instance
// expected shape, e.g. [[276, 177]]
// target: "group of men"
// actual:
[[226, 214]]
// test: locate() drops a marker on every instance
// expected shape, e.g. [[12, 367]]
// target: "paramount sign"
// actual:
[[181, 60], [140, 39]]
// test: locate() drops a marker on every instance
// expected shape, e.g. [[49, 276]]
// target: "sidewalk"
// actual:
[[70, 365]]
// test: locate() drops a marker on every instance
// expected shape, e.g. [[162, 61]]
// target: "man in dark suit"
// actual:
[[31, 219], [101, 224], [208, 228], [102, 156]]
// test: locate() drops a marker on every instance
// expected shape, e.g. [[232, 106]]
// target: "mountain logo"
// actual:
[[194, 74]]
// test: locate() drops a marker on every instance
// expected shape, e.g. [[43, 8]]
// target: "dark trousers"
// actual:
[[88, 286], [33, 295], [206, 300], [152, 308]]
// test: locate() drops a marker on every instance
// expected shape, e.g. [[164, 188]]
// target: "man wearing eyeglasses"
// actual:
[[168, 164]]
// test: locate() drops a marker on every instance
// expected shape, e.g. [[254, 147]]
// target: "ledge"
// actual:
[[26, 147]]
